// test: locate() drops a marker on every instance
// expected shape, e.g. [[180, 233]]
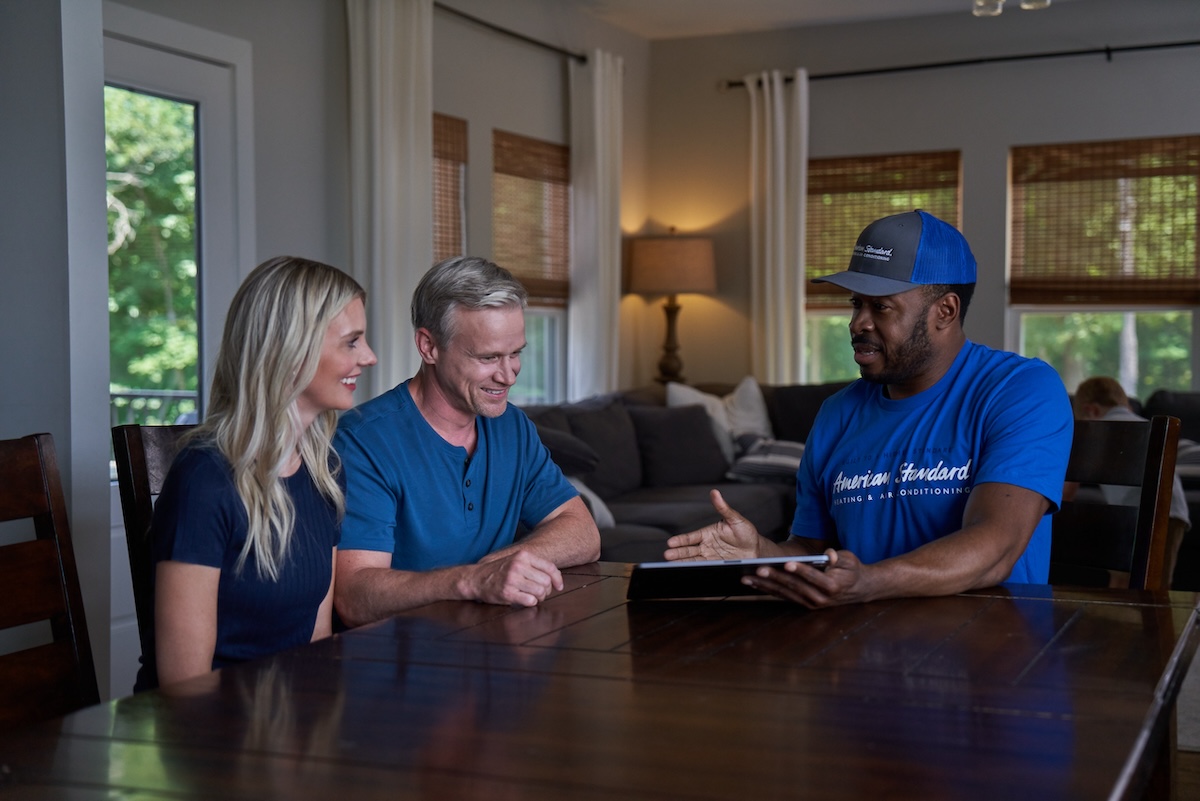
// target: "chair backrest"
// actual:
[[1095, 536], [143, 455], [41, 585]]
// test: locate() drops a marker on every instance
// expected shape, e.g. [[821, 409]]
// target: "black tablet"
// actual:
[[715, 579]]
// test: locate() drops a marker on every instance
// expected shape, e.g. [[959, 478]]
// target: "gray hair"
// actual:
[[469, 282]]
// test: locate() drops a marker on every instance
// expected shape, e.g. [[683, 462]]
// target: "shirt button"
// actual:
[[470, 507], [468, 482]]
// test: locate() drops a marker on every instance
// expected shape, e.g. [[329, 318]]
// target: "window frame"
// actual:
[[1015, 311], [527, 158]]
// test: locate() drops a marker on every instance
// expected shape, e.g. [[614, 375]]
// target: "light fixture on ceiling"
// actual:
[[670, 265], [993, 8]]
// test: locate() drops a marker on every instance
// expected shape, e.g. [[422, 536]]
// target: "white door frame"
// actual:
[[153, 54]]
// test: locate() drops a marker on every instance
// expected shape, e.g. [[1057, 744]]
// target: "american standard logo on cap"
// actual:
[[872, 252]]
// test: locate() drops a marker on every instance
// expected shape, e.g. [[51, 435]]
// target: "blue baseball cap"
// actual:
[[897, 253]]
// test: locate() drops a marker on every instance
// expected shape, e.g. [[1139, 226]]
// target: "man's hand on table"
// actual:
[[511, 577]]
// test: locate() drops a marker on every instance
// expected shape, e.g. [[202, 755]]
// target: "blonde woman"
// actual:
[[247, 526]]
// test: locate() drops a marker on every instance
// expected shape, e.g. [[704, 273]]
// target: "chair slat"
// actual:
[[32, 581], [41, 583]]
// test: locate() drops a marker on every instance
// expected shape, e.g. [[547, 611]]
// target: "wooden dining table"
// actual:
[[1016, 692]]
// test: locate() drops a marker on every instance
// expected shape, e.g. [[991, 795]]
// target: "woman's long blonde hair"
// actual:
[[269, 354]]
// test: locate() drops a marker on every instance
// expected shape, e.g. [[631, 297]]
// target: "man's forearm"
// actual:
[[965, 560], [374, 593], [568, 539]]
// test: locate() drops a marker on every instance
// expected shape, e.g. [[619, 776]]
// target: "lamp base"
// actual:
[[670, 365]]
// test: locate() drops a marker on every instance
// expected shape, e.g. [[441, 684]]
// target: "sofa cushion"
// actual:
[[572, 455], [677, 446], [548, 416], [630, 543], [595, 504], [604, 424], [736, 414], [1184, 405], [793, 407], [770, 507]]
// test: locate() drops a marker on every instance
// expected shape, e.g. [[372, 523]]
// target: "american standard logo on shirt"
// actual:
[[909, 480], [872, 252]]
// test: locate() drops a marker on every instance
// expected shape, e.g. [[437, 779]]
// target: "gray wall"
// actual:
[[495, 81], [699, 135], [53, 313]]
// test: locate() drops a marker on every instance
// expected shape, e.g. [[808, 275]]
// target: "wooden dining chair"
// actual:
[[1092, 537], [143, 455], [40, 586]]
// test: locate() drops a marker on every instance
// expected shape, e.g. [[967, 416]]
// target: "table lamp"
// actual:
[[670, 265]]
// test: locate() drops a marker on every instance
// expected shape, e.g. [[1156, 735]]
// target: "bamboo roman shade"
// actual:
[[531, 187], [449, 172], [1106, 223], [845, 195]]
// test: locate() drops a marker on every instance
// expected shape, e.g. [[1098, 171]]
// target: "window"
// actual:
[[844, 196], [531, 186], [449, 182], [1103, 274], [152, 294]]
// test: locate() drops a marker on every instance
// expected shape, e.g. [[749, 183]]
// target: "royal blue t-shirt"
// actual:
[[883, 477], [199, 519], [414, 495]]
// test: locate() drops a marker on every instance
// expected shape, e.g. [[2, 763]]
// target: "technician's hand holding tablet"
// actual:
[[834, 580]]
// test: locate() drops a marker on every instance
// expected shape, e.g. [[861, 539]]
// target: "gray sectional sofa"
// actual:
[[646, 468]]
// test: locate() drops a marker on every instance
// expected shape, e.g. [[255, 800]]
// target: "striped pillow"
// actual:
[[768, 460]]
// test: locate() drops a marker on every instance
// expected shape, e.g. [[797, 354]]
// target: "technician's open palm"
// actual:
[[733, 537]]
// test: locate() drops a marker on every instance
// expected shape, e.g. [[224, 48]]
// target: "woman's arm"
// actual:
[[185, 619], [324, 625]]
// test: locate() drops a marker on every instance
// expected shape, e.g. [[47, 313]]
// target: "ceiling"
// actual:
[[674, 19]]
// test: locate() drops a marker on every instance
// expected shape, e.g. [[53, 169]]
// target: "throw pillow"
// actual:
[[572, 455], [678, 446], [768, 460], [599, 509], [604, 424], [741, 412]]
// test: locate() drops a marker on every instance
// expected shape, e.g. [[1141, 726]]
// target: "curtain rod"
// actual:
[[580, 57], [1107, 52]]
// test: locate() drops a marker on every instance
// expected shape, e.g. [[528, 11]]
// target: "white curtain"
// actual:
[[592, 328], [391, 172], [778, 187]]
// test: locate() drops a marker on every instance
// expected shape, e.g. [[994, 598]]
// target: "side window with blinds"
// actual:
[[531, 192], [531, 189], [449, 186], [1105, 222], [1103, 268], [844, 196]]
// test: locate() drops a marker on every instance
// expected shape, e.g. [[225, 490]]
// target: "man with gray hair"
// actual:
[[441, 470]]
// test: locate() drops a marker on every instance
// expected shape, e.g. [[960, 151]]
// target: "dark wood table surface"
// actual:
[[1024, 692]]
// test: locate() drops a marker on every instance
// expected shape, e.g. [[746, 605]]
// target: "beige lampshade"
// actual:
[[672, 264]]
